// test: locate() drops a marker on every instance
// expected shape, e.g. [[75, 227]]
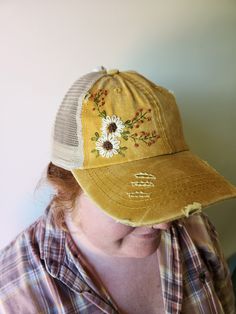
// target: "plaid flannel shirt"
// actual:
[[42, 271]]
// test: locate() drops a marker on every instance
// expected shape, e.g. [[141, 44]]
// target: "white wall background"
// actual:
[[186, 46]]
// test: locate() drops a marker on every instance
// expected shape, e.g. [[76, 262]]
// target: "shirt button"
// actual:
[[202, 277]]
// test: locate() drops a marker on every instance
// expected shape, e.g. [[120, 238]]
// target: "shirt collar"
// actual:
[[63, 259], [171, 271]]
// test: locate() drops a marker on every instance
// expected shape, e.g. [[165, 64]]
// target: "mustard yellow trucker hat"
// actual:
[[121, 136]]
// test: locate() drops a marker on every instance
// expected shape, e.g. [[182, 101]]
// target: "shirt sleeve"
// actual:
[[220, 271]]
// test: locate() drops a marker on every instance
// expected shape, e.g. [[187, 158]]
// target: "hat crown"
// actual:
[[111, 117]]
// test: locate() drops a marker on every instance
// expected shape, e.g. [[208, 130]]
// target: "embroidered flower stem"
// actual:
[[139, 116], [144, 137], [99, 101]]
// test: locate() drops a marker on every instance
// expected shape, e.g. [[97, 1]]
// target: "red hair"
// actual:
[[67, 189]]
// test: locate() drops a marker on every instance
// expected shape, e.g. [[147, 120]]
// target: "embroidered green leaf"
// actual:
[[123, 148], [87, 96], [93, 138], [103, 114], [127, 121], [121, 153], [95, 151], [97, 134]]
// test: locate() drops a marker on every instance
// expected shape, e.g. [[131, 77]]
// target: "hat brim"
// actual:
[[155, 190]]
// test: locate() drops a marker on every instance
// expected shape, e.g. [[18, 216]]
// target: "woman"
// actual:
[[125, 231]]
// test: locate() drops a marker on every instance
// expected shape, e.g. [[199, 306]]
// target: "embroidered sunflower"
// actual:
[[112, 125], [107, 145]]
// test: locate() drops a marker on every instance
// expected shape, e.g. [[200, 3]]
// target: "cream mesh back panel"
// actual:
[[67, 146]]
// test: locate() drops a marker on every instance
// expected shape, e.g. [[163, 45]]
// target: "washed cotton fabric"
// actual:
[[121, 136], [42, 271]]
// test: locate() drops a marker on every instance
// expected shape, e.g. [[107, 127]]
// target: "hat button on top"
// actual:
[[112, 71]]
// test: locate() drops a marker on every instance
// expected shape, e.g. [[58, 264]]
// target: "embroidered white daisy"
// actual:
[[107, 145], [112, 125]]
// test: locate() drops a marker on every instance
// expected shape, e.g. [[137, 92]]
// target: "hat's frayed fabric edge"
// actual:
[[90, 184], [186, 212]]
